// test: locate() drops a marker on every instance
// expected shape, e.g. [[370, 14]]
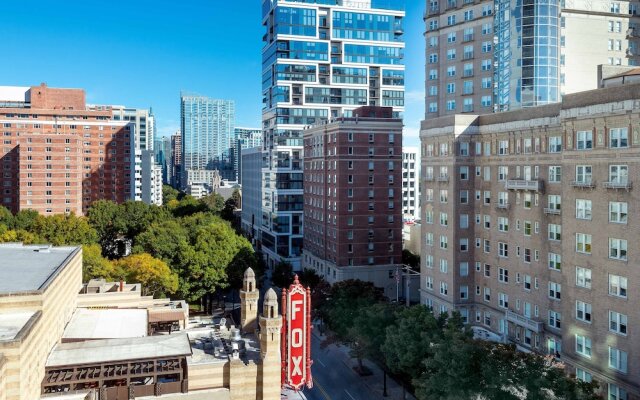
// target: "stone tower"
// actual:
[[270, 329], [249, 302]]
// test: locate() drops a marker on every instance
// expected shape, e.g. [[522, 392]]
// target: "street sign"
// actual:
[[296, 337]]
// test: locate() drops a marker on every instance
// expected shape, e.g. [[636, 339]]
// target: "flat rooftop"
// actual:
[[30, 268], [89, 324], [12, 323], [116, 350]]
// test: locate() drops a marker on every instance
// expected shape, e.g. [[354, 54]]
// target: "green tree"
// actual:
[[153, 274], [95, 266], [6, 218], [64, 230], [187, 206], [25, 219], [409, 341], [169, 194], [365, 338], [214, 202], [245, 258], [410, 259], [282, 275], [163, 240], [105, 217], [20, 236]]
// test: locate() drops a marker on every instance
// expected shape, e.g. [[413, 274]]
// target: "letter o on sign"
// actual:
[[297, 337]]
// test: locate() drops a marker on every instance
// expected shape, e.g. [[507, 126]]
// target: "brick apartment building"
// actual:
[[529, 222], [353, 198], [58, 157]]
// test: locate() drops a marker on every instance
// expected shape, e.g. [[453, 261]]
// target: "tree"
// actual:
[[309, 278], [187, 206], [104, 217], [245, 258], [410, 259], [409, 341], [62, 230], [169, 194], [94, 265], [6, 218], [154, 275], [25, 219], [163, 240], [214, 202], [365, 336], [20, 236], [282, 275]]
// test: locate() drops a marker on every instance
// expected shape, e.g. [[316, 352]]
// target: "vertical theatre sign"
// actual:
[[296, 337]]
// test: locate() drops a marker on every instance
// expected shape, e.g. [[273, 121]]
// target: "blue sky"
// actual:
[[142, 53]]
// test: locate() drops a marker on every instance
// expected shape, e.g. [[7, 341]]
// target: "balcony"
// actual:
[[521, 184], [503, 206], [632, 33], [443, 178], [525, 322], [617, 185], [586, 184], [552, 211]]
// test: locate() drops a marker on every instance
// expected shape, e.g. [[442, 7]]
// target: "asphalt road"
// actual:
[[332, 379]]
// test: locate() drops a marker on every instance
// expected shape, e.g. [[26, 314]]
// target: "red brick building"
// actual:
[[58, 157], [353, 198]]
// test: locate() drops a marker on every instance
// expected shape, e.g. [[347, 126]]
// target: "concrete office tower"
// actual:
[[252, 193], [244, 138], [505, 54], [529, 228], [176, 160], [58, 156], [410, 186], [321, 60], [144, 122], [207, 128], [352, 198]]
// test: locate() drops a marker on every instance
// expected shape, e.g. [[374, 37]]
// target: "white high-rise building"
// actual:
[[321, 59], [410, 183]]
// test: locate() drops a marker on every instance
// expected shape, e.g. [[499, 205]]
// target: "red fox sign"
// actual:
[[296, 337]]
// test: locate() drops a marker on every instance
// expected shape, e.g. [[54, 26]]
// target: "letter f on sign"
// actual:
[[296, 305]]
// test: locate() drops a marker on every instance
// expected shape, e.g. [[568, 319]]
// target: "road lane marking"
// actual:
[[319, 386], [349, 394]]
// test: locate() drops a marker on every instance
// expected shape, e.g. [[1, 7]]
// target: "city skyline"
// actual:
[[167, 58]]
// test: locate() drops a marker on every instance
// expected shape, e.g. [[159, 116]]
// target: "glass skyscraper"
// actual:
[[207, 130], [321, 59]]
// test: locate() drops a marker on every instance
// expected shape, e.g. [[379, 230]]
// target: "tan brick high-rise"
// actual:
[[530, 229]]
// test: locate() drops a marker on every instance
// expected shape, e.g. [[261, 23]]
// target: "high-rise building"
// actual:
[[244, 138], [500, 55], [410, 186], [176, 160], [352, 198], [252, 193], [207, 129], [151, 179], [528, 222], [144, 121], [321, 60], [59, 156]]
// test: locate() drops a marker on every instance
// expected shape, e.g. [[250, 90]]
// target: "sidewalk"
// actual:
[[374, 382]]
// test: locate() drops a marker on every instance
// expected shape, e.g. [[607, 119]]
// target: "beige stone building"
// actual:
[[529, 228], [67, 340]]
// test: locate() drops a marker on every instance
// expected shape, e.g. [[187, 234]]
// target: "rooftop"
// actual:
[[12, 323], [89, 324], [115, 350], [30, 268]]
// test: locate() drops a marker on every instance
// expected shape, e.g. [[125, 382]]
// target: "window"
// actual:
[[618, 286], [444, 288], [444, 196], [555, 319], [555, 232], [618, 212], [464, 269], [583, 311], [487, 294], [618, 359], [503, 249], [451, 105], [527, 201], [503, 224], [618, 138], [555, 290], [616, 392], [618, 174], [468, 15], [503, 300], [583, 243], [583, 173], [555, 144], [584, 140], [444, 242], [583, 209], [583, 346], [555, 174], [618, 323], [583, 277], [451, 54], [464, 292], [451, 19], [487, 198], [617, 249], [451, 88], [503, 147], [486, 65], [503, 275], [583, 375], [451, 37], [527, 282], [555, 202], [486, 47], [429, 283], [555, 261], [444, 219], [487, 270]]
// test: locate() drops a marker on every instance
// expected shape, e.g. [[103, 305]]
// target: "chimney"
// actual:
[[121, 285]]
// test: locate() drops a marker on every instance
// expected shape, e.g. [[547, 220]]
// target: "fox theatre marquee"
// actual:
[[296, 337]]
